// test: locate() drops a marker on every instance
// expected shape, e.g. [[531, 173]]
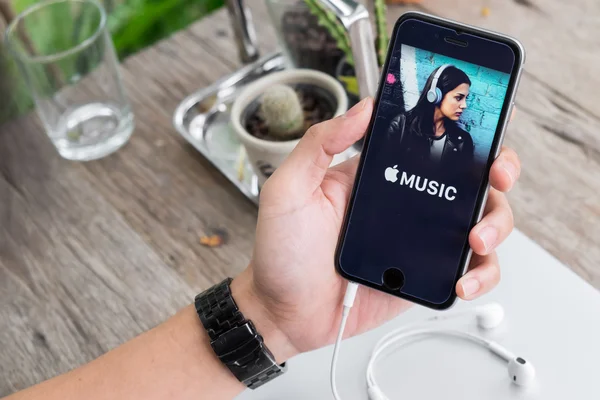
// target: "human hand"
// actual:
[[291, 289]]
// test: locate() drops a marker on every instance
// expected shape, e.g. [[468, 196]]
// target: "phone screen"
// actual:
[[434, 134]]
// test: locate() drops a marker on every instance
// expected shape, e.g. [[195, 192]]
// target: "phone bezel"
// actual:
[[515, 75]]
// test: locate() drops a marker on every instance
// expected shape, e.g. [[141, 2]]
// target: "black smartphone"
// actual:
[[444, 99]]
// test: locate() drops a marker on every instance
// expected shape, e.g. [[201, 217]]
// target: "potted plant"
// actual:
[[313, 37], [271, 114], [345, 69], [305, 41]]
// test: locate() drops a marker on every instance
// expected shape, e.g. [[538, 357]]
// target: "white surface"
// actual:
[[552, 320]]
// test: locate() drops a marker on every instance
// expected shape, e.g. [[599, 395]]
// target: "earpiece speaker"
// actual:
[[521, 372]]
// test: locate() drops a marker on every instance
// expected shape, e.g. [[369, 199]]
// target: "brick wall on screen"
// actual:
[[488, 88]]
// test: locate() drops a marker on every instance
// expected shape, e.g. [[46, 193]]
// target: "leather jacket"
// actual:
[[458, 150]]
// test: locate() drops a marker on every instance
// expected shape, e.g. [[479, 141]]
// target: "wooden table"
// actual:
[[92, 254]]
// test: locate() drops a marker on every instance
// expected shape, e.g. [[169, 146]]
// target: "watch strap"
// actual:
[[217, 310], [234, 339]]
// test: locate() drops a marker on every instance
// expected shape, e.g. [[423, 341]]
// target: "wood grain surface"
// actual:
[[92, 254]]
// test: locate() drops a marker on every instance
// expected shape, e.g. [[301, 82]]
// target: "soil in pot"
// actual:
[[318, 105]]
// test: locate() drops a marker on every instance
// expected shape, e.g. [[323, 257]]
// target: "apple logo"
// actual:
[[391, 173]]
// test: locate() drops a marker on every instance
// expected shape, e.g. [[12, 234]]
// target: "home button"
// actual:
[[393, 278]]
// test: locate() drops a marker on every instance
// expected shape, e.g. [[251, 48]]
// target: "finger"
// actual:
[[344, 173], [346, 168], [505, 170], [494, 227], [338, 182], [304, 169], [482, 277]]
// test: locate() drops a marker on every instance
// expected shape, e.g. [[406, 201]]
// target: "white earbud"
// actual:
[[489, 316], [521, 372]]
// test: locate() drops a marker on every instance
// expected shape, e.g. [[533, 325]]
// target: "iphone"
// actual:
[[444, 99]]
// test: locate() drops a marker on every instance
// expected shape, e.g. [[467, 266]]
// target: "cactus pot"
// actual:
[[266, 155]]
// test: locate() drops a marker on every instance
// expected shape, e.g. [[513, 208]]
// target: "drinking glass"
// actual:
[[67, 56]]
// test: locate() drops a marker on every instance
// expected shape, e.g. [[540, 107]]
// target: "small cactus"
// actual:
[[282, 112]]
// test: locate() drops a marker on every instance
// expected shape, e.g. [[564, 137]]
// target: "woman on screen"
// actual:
[[429, 131]]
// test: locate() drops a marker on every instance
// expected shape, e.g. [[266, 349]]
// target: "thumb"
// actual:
[[304, 169]]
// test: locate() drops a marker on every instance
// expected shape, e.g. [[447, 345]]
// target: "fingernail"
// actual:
[[357, 108], [488, 236], [511, 170], [470, 286]]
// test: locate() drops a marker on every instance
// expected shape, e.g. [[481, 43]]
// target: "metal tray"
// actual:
[[203, 120]]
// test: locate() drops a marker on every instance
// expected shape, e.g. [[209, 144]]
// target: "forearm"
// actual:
[[172, 361]]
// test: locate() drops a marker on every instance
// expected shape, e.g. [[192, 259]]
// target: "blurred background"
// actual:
[[134, 24]]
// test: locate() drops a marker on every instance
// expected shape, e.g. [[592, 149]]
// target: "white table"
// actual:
[[552, 320]]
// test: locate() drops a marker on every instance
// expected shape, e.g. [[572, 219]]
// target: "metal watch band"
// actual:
[[217, 309], [234, 339]]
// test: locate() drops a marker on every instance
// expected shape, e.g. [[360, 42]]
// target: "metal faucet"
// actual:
[[355, 18], [243, 29]]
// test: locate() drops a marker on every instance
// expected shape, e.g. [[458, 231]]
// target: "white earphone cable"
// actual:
[[394, 337], [348, 303], [381, 346], [411, 325], [336, 351], [349, 297]]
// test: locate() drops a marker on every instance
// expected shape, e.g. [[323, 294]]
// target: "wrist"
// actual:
[[253, 307], [188, 345]]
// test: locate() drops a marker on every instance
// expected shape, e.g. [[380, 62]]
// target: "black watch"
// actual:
[[234, 339]]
